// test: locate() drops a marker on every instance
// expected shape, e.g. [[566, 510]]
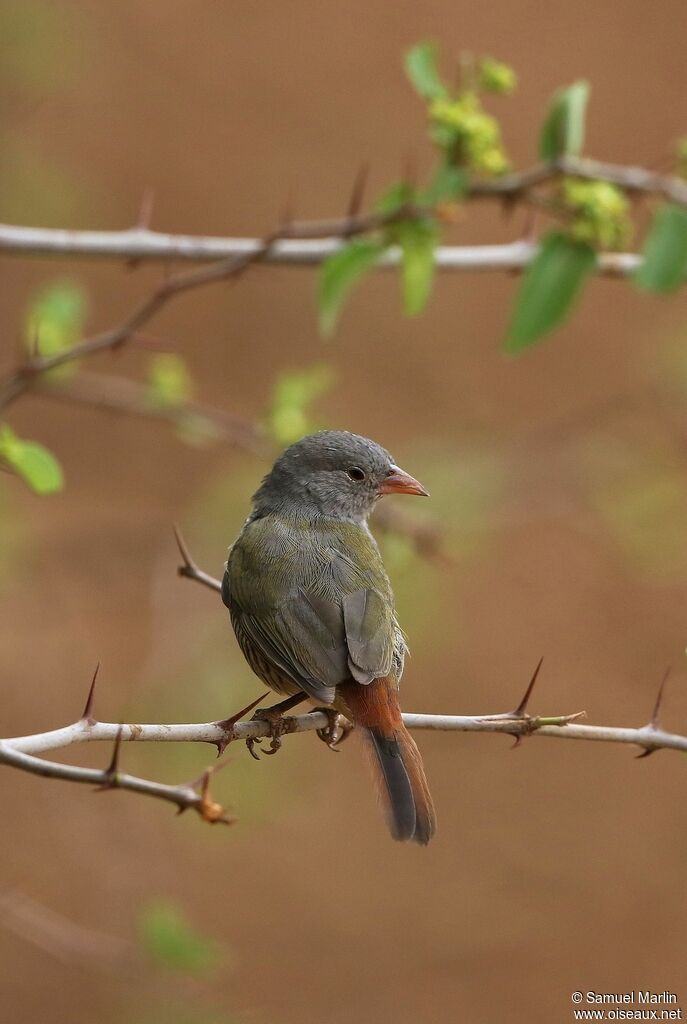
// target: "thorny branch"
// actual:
[[37, 366], [308, 242], [300, 242], [20, 751], [293, 242]]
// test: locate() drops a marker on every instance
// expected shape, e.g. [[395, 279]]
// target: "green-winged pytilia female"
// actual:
[[313, 610]]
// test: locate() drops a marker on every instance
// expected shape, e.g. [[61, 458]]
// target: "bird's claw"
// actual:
[[337, 729], [277, 725]]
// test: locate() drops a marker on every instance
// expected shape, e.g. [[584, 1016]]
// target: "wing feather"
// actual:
[[314, 609]]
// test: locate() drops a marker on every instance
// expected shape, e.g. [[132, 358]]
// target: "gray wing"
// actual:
[[322, 632]]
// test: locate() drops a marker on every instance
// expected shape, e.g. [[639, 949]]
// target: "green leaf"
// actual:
[[31, 461], [288, 417], [448, 184], [551, 284], [169, 382], [417, 240], [168, 938], [562, 133], [54, 322], [338, 275], [397, 196], [495, 76], [421, 68], [665, 251]]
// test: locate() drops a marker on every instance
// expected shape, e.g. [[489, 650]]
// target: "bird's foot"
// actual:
[[337, 729], [275, 718]]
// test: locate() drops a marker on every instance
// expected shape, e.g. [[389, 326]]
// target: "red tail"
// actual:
[[396, 759]]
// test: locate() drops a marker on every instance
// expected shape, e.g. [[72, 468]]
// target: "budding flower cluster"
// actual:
[[600, 212], [471, 135]]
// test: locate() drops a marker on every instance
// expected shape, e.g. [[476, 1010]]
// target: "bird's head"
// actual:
[[333, 473]]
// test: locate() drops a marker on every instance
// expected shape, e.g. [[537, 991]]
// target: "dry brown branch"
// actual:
[[131, 398], [23, 378]]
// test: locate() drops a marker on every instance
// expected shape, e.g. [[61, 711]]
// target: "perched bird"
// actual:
[[313, 610]]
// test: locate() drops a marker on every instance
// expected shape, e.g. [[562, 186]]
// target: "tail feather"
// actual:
[[396, 758]]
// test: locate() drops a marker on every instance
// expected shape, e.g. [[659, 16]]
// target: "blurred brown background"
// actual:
[[559, 480]]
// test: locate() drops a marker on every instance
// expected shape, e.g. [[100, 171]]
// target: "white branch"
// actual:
[[20, 751], [558, 727], [141, 244]]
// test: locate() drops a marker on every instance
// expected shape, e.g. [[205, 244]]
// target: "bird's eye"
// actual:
[[356, 474]]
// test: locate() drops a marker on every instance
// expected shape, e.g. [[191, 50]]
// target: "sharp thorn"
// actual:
[[87, 715], [227, 724], [653, 721], [522, 706], [189, 564], [200, 785], [645, 753], [111, 770], [358, 191], [145, 210]]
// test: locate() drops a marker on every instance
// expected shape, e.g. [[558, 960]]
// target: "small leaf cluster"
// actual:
[[468, 140], [53, 325], [590, 215], [30, 461], [54, 322], [599, 212], [170, 941], [170, 384], [288, 417], [465, 133]]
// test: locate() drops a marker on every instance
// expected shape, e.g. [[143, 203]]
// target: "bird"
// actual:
[[313, 609]]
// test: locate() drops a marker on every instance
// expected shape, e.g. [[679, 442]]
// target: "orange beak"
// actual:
[[399, 482]]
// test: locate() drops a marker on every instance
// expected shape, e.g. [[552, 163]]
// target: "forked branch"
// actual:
[[21, 751]]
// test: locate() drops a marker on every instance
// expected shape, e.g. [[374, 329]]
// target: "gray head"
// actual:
[[333, 473]]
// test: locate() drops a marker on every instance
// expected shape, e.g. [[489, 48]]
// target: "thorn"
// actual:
[[114, 760], [145, 210], [227, 724], [189, 566], [522, 706], [200, 785], [110, 773], [87, 715], [357, 192], [653, 721], [209, 809], [652, 724]]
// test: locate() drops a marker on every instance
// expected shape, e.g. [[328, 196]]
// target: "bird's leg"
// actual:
[[275, 717], [337, 730]]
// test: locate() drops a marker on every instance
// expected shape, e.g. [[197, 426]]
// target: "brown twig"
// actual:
[[25, 376], [120, 395]]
